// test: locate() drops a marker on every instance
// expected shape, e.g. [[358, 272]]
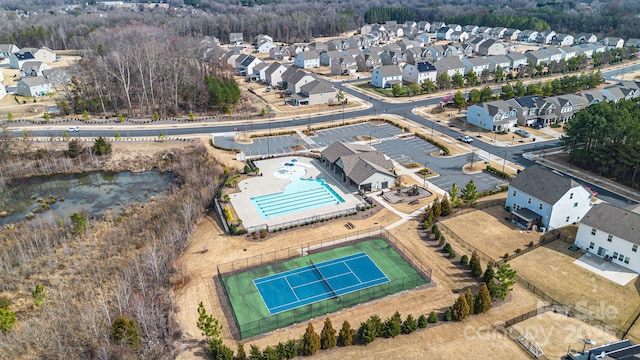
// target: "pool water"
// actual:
[[298, 195]]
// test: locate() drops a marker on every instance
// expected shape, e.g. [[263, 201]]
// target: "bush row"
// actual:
[[491, 170]]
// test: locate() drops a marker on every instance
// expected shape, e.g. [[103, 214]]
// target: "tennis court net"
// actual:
[[323, 279]]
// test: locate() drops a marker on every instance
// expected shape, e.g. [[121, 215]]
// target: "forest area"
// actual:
[[84, 287], [605, 139]]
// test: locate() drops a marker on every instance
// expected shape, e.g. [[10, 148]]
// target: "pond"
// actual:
[[64, 194]]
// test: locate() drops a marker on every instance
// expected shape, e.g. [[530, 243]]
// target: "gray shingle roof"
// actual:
[[543, 184], [359, 162], [34, 81], [615, 221]]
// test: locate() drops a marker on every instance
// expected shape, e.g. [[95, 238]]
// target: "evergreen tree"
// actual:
[[445, 206], [506, 277], [458, 99], [460, 309], [409, 325], [458, 82], [470, 193], [453, 194], [474, 265], [220, 351], [376, 325], [7, 320], [291, 349], [240, 353], [269, 353], [366, 332], [74, 149], [470, 300], [310, 343], [433, 318], [488, 278], [125, 331], [345, 336], [327, 335], [422, 321], [482, 300], [281, 350], [437, 208], [101, 147], [254, 353], [393, 325]]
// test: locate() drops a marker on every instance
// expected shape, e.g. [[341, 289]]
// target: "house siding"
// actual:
[[584, 238]]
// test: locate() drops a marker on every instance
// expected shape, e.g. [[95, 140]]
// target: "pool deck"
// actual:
[[269, 183]]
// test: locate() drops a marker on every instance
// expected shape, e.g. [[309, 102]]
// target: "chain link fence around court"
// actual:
[[245, 330]]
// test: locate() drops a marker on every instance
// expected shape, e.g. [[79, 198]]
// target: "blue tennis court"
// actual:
[[316, 282]]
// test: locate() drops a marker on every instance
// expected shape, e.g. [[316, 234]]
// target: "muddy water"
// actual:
[[64, 194]]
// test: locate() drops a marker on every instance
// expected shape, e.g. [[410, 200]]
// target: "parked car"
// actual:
[[465, 138], [537, 125], [522, 133], [73, 129]]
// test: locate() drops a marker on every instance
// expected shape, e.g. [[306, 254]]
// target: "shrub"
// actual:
[[518, 251], [327, 335], [441, 240], [409, 325], [460, 309], [464, 260], [310, 343], [393, 325], [491, 170], [506, 255], [447, 248], [345, 336], [448, 315], [433, 318], [366, 333], [530, 244], [422, 322], [452, 254]]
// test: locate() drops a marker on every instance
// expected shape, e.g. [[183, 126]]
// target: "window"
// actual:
[[529, 201], [626, 260], [540, 206], [591, 245], [634, 248], [571, 196], [593, 231], [610, 238], [575, 204], [567, 219], [514, 193], [615, 255], [621, 257]]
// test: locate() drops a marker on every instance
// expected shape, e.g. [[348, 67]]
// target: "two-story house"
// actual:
[[385, 76], [307, 60], [419, 72], [450, 65], [545, 198], [612, 233], [495, 116]]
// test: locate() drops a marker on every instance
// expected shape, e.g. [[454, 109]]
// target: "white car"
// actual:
[[73, 129], [522, 133], [465, 139]]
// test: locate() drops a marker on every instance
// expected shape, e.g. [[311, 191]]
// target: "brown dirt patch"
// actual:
[[488, 231], [575, 286], [555, 333]]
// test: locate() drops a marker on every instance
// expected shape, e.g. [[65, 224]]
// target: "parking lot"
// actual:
[[403, 151]]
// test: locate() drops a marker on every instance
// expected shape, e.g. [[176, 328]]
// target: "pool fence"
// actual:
[[301, 222]]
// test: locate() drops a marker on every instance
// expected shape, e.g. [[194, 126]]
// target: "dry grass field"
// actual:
[[551, 269], [488, 231], [556, 333]]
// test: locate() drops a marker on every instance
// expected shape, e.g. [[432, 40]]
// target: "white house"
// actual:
[[33, 68], [307, 60], [477, 64], [419, 72], [236, 38], [499, 60], [612, 233], [563, 39], [273, 74], [360, 165], [450, 65], [493, 115], [33, 86], [545, 198], [17, 59], [265, 46], [612, 42], [7, 49], [492, 47], [3, 90], [316, 92], [517, 59], [385, 76]]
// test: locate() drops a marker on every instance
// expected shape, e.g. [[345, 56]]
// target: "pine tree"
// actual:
[[345, 337], [269, 353], [366, 332], [470, 300], [422, 321], [281, 350], [409, 325], [7, 320], [291, 349], [310, 343], [433, 318], [254, 353], [460, 309], [454, 195], [437, 208], [101, 147], [327, 335], [506, 277], [470, 193], [445, 206], [376, 325], [240, 354], [125, 330], [489, 274], [393, 325], [482, 300], [448, 315], [474, 265]]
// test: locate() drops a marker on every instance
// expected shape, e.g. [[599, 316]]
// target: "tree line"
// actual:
[[379, 15], [605, 138]]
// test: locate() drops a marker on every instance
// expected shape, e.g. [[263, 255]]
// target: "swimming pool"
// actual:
[[298, 195]]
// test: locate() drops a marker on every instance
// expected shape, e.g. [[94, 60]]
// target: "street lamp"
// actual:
[[587, 341], [433, 123], [504, 160], [343, 113]]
